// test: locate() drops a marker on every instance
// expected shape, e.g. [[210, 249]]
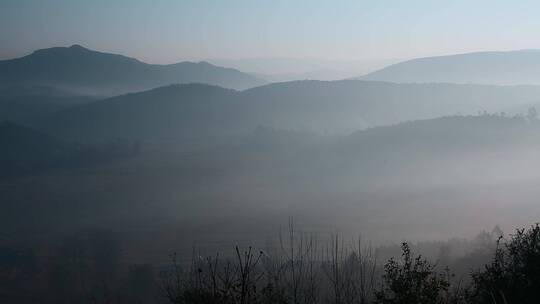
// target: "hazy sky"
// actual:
[[164, 31]]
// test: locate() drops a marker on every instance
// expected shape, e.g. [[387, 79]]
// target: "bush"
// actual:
[[413, 281], [513, 276]]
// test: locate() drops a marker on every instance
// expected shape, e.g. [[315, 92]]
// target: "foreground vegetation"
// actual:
[[301, 268], [303, 272]]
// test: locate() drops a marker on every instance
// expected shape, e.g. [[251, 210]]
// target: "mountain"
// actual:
[[25, 150], [29, 151], [401, 170], [196, 111], [288, 69], [349, 105], [458, 149], [27, 104], [445, 135], [174, 111], [501, 68], [83, 70]]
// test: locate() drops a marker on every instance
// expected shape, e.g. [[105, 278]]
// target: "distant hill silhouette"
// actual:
[[175, 111], [27, 104], [447, 134], [28, 151], [25, 150], [197, 111], [83, 70], [293, 168], [458, 149], [501, 68]]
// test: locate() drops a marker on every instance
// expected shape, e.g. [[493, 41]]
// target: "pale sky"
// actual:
[[166, 31]]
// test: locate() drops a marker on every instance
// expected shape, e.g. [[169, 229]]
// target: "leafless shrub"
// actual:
[[297, 271]]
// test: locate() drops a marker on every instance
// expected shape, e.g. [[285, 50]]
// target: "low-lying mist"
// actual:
[[424, 180]]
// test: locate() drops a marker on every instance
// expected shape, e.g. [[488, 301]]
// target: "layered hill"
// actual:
[[91, 72], [501, 68], [404, 170], [197, 110], [28, 104], [28, 151]]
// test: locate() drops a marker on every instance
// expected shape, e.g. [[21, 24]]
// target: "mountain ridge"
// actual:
[[519, 67], [192, 110], [84, 70]]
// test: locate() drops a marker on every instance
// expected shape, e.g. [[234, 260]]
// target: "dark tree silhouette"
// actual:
[[513, 276], [414, 280]]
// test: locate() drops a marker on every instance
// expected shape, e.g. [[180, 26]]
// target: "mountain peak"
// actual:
[[93, 72], [77, 47]]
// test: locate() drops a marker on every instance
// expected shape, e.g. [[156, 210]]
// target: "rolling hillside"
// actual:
[[499, 68], [196, 111]]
